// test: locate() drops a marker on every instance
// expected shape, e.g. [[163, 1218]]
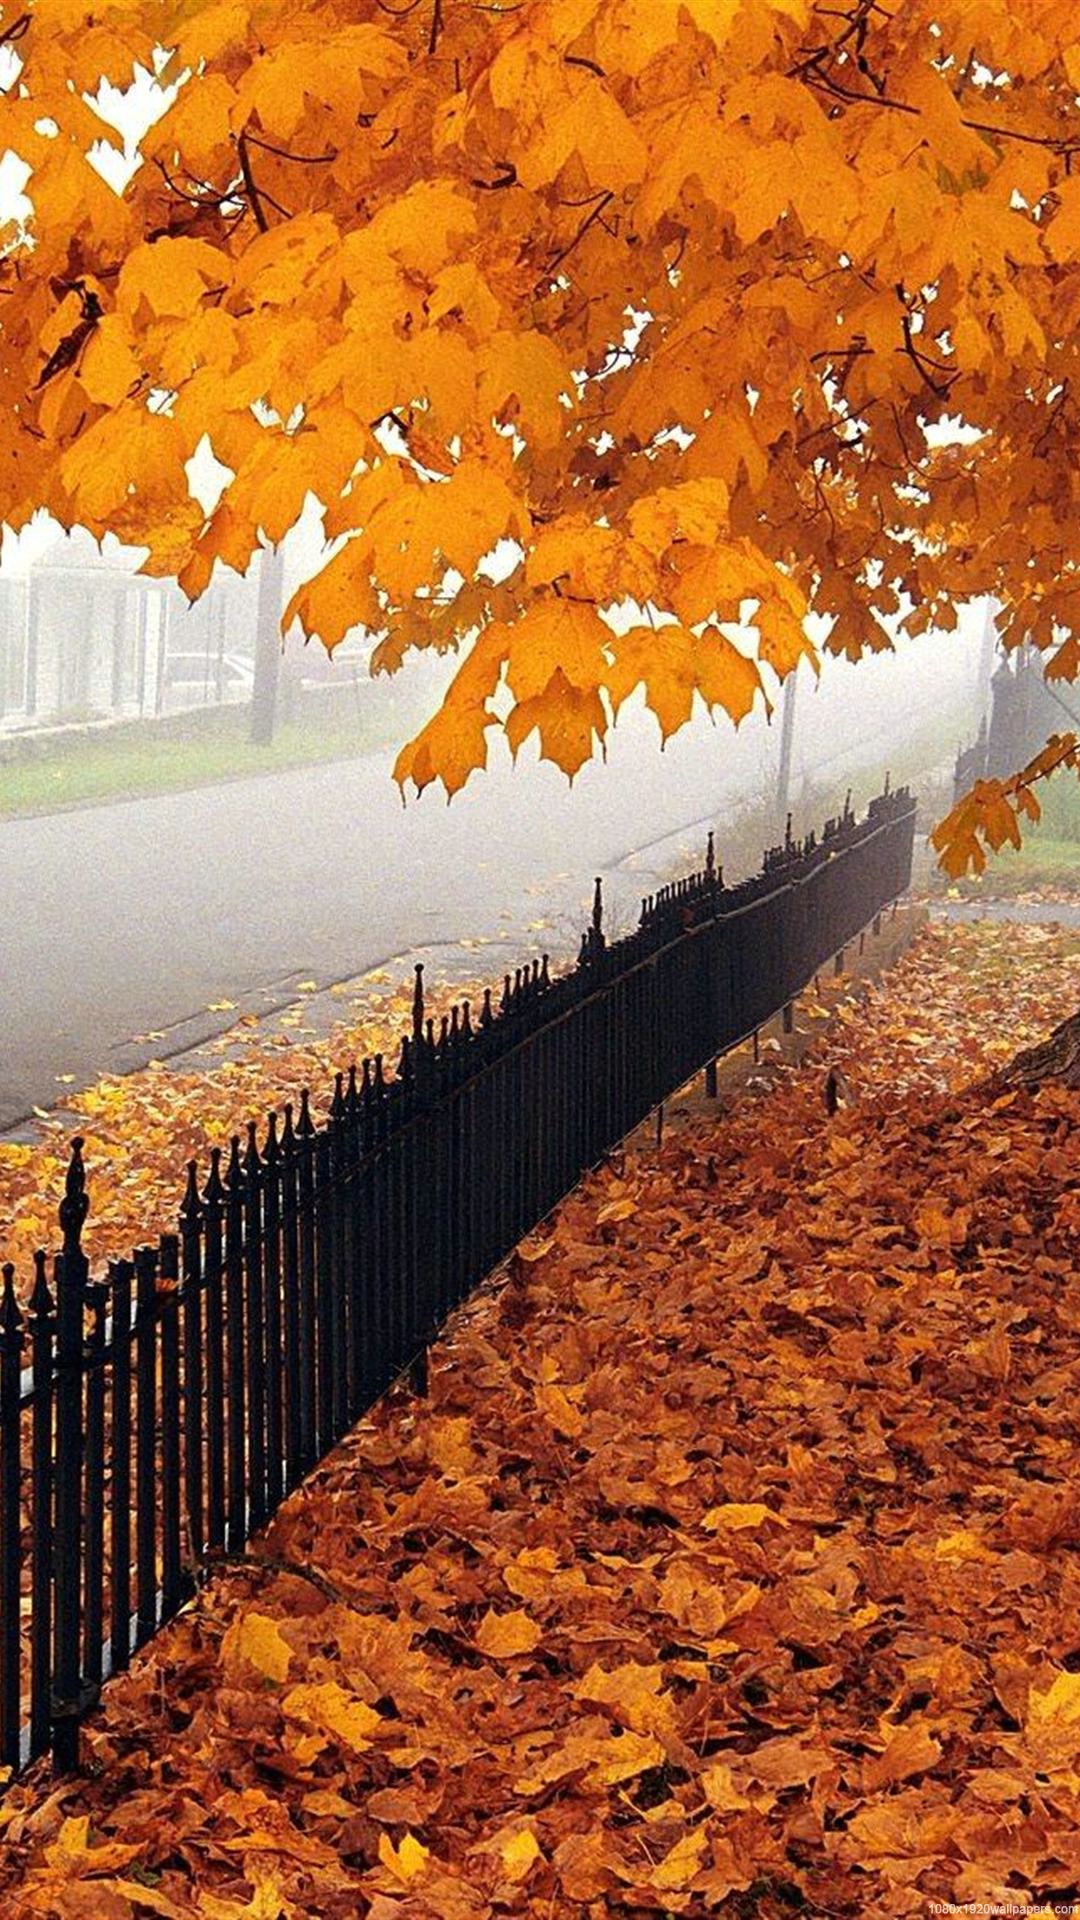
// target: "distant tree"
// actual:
[[683, 298]]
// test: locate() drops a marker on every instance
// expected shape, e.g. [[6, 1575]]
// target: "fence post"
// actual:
[[72, 1275]]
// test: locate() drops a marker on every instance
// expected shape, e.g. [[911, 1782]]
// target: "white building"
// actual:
[[85, 637]]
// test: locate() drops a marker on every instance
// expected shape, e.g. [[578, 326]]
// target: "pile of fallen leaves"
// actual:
[[730, 1566]]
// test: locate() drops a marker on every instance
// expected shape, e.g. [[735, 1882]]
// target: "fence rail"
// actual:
[[157, 1415]]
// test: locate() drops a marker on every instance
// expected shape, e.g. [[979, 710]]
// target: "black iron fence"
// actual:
[[156, 1415]]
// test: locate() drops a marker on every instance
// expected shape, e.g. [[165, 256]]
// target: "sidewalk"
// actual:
[[728, 1567]]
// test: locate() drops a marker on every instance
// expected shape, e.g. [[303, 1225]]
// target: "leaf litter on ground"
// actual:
[[729, 1566]]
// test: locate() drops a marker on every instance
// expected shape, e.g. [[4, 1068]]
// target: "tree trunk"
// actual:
[[1056, 1059], [264, 691]]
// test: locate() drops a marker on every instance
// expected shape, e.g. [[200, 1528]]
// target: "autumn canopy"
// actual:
[[668, 297]]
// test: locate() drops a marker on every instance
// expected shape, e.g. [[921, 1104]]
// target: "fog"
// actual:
[[122, 919]]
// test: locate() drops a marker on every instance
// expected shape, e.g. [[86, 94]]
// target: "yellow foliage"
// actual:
[[255, 1640], [560, 308], [503, 1635], [327, 1707]]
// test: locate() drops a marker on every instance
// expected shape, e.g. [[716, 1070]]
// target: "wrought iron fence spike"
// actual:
[[75, 1204], [418, 1000], [234, 1173], [214, 1191], [487, 1014], [41, 1300], [191, 1204], [337, 1104], [10, 1315], [252, 1156], [272, 1148], [288, 1131], [305, 1124]]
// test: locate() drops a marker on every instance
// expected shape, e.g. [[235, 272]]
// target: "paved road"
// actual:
[[121, 921]]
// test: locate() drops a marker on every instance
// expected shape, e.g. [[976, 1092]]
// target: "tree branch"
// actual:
[[283, 153], [604, 200], [254, 201]]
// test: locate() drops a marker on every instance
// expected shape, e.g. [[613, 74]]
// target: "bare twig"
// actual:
[[254, 200], [553, 266], [283, 153]]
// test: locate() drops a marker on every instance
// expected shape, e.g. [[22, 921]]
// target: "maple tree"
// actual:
[[664, 302], [728, 1567]]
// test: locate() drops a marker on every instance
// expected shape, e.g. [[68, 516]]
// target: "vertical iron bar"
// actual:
[[235, 1356], [350, 1200], [94, 1571], [146, 1491], [11, 1350], [120, 1277], [191, 1297], [380, 1238], [339, 1292], [169, 1311], [72, 1274], [42, 1327], [275, 1465], [290, 1280], [306, 1151], [255, 1332], [324, 1292], [213, 1269]]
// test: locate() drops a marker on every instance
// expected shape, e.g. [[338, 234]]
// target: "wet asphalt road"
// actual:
[[121, 924]]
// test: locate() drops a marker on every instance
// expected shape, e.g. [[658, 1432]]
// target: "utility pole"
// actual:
[[986, 660], [787, 736], [264, 691]]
